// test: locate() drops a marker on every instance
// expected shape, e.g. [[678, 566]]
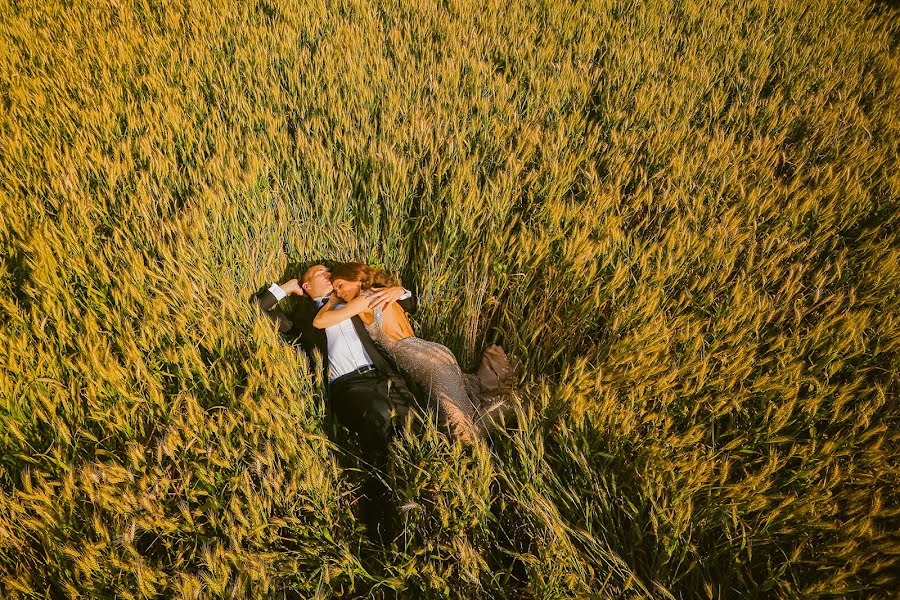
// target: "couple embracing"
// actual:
[[356, 319]]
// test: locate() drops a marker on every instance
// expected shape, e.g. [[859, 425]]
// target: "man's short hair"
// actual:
[[303, 269], [306, 276]]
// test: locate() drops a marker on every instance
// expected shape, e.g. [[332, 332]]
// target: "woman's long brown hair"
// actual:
[[367, 276]]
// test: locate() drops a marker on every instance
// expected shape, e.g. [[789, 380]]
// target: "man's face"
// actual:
[[317, 281]]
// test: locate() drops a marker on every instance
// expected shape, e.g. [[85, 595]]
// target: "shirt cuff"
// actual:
[[406, 295], [279, 293]]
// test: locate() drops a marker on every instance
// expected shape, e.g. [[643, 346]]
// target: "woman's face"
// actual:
[[346, 290]]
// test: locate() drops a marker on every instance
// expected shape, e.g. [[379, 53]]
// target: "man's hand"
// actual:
[[292, 286], [384, 298]]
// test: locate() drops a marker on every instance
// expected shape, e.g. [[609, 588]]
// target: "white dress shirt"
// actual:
[[345, 350], [277, 292]]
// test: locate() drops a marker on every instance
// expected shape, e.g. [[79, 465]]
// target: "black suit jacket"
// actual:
[[297, 327]]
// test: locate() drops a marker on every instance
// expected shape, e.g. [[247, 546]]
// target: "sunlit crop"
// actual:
[[682, 217]]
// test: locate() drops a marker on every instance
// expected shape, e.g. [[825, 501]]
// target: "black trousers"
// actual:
[[373, 405]]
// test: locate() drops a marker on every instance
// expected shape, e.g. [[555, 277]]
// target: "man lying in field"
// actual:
[[365, 392]]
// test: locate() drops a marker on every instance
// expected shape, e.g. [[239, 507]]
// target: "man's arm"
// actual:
[[267, 298]]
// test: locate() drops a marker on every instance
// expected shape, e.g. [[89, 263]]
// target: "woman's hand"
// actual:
[[385, 297]]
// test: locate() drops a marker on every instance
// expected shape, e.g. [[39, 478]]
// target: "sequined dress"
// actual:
[[434, 367]]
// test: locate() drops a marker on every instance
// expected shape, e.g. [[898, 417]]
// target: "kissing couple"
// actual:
[[355, 317]]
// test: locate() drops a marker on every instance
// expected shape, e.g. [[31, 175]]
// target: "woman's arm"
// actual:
[[328, 315]]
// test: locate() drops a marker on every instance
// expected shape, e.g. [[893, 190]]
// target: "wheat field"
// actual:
[[682, 218]]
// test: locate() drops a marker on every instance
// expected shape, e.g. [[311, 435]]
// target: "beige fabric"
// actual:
[[489, 388], [493, 370]]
